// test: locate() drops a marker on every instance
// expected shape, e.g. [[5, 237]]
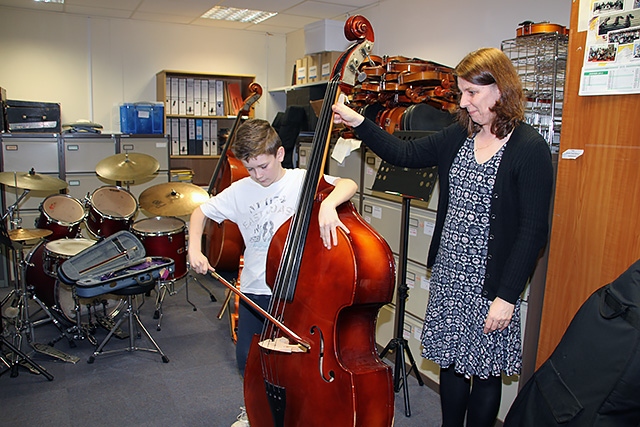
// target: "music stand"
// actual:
[[410, 184], [14, 361]]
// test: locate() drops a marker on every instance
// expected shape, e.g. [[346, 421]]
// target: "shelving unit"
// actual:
[[541, 61], [191, 153]]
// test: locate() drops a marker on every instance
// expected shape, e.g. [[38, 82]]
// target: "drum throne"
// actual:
[[131, 315]]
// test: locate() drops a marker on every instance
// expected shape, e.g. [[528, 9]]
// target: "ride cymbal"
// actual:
[[127, 166], [21, 234], [172, 198], [32, 181]]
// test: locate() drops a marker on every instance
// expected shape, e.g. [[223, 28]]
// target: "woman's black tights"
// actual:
[[479, 399]]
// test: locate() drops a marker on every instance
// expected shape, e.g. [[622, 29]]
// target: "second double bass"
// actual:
[[223, 243]]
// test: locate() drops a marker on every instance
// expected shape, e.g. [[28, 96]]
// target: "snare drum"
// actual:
[[111, 210], [62, 214], [58, 251], [164, 236], [57, 295]]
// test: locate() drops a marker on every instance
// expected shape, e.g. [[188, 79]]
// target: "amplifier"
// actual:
[[27, 116]]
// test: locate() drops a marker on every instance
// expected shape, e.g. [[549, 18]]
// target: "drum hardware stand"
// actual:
[[107, 322], [22, 293], [417, 184], [16, 357], [168, 286]]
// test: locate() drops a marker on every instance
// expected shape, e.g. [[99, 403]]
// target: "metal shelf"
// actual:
[[541, 61]]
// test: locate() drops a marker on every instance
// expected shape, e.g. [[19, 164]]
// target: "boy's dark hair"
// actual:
[[255, 137]]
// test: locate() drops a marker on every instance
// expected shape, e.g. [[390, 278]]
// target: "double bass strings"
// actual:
[[289, 267]]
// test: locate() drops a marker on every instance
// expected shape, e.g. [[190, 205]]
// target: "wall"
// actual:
[[596, 222], [445, 30], [91, 65]]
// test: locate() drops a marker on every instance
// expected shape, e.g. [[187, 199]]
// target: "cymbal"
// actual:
[[172, 198], [127, 166], [32, 181], [21, 234]]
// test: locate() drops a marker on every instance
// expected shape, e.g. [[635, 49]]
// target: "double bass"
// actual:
[[223, 244], [331, 375]]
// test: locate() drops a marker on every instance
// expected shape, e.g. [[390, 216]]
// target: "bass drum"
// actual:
[[59, 296]]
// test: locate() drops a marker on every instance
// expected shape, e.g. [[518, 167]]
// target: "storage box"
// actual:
[[142, 118], [28, 116], [301, 71], [313, 68], [327, 60], [324, 35]]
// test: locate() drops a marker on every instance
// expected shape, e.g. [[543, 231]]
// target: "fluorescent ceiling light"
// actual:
[[49, 1], [238, 15]]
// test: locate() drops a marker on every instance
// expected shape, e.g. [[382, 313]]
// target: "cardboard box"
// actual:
[[327, 60], [323, 36], [313, 68], [301, 71]]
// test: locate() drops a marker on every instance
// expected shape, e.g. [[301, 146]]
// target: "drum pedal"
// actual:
[[108, 323], [54, 352]]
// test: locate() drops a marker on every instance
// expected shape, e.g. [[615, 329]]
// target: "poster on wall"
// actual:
[[612, 53]]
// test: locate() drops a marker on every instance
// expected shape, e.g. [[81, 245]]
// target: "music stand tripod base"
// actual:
[[417, 184]]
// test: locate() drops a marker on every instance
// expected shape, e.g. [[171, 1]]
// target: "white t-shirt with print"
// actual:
[[259, 212]]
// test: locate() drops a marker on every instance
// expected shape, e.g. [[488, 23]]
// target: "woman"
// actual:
[[496, 181]]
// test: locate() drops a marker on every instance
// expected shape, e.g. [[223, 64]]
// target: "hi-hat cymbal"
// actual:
[[32, 181], [21, 234], [127, 166], [172, 198]]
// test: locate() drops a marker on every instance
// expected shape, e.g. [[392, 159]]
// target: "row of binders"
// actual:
[[185, 96], [193, 136]]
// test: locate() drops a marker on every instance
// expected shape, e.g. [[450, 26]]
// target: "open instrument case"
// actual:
[[116, 262]]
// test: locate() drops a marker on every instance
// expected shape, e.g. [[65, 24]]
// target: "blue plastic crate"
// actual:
[[142, 118]]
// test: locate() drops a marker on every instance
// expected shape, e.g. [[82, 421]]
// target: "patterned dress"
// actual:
[[456, 311]]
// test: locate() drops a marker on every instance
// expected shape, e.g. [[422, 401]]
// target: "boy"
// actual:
[[259, 205]]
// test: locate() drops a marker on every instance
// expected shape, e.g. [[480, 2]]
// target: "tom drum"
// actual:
[[164, 236], [62, 214], [112, 209]]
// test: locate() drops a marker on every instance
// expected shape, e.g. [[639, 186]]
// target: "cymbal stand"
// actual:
[[22, 293], [168, 287], [19, 316]]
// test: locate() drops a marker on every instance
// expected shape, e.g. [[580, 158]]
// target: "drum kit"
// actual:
[[58, 237]]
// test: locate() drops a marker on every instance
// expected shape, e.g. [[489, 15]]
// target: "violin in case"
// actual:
[[116, 262]]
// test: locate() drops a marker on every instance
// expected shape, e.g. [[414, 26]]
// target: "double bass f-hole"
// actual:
[[332, 375]]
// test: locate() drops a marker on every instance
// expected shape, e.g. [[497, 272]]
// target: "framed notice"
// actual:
[[612, 52]]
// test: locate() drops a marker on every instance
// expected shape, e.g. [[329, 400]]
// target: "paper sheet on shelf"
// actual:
[[344, 147]]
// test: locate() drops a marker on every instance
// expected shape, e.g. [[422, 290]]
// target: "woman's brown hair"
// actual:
[[487, 66]]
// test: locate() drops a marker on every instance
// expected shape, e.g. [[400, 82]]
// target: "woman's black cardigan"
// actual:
[[519, 216]]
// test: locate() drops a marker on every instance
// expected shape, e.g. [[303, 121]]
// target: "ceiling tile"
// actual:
[[319, 10]]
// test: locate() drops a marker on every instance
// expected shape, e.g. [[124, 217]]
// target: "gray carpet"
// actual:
[[200, 385]]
